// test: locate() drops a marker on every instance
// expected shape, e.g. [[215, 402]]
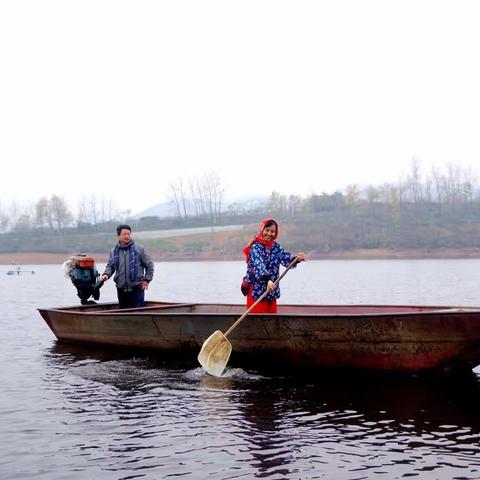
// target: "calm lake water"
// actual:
[[78, 413]]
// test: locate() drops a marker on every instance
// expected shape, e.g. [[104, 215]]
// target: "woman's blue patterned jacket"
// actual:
[[264, 265]]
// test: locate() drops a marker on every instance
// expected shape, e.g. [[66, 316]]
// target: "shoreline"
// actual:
[[36, 258]]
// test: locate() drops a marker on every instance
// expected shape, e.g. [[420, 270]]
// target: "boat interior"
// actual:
[[238, 309]]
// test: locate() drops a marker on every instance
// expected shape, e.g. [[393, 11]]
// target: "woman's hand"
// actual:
[[271, 286], [300, 257]]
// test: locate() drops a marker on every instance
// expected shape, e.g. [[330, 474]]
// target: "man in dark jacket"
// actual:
[[133, 269]]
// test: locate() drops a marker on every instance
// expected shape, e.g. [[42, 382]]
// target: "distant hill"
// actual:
[[162, 210]]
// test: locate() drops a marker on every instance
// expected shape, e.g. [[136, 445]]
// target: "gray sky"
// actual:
[[300, 97]]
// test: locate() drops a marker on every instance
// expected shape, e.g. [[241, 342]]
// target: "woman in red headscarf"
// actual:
[[264, 257]]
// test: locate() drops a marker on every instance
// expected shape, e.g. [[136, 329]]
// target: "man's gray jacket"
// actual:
[[122, 278]]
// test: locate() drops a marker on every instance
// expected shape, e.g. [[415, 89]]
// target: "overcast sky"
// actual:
[[118, 98]]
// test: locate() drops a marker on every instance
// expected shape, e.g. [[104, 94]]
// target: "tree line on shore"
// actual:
[[439, 210]]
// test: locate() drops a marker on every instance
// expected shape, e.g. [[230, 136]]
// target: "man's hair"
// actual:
[[123, 227]]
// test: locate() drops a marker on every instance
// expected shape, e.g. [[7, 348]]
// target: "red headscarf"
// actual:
[[259, 238]]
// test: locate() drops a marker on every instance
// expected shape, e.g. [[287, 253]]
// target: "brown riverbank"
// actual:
[[36, 258]]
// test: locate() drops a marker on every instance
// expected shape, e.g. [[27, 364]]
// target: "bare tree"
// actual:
[[373, 194], [198, 197], [294, 205], [428, 189], [175, 195], [82, 216], [212, 193], [60, 212], [24, 222], [43, 216], [413, 183], [93, 209], [192, 186], [400, 190], [202, 194], [183, 196], [352, 194], [14, 213], [96, 209], [277, 203], [468, 184], [4, 222], [438, 184], [25, 217]]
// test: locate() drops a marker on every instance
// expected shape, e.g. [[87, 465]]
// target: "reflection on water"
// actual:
[[142, 417], [75, 412]]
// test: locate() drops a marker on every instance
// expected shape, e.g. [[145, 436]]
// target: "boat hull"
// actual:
[[397, 338]]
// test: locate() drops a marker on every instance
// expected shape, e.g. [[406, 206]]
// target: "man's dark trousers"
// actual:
[[131, 299]]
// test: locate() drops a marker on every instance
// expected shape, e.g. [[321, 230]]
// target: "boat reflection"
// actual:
[[281, 425], [430, 399]]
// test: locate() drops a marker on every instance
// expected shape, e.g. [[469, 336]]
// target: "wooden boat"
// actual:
[[374, 337]]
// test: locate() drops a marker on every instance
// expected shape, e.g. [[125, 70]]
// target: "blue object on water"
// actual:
[[18, 272]]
